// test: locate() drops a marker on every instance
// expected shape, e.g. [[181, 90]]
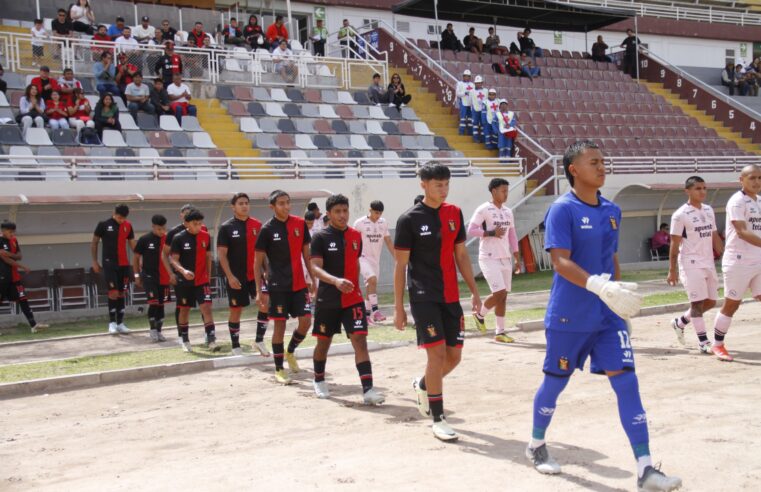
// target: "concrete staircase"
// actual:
[[531, 213], [703, 118]]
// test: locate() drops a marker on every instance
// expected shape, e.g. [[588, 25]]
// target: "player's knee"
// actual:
[[454, 356], [436, 355], [612, 374], [730, 307]]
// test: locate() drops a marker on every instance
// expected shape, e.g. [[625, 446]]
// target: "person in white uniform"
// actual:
[[374, 230]]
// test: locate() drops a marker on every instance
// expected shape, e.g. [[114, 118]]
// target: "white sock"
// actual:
[[367, 305], [373, 298], [642, 463], [500, 324], [484, 310], [535, 443]]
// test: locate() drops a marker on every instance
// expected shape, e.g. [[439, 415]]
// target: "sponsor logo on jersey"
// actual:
[[585, 223]]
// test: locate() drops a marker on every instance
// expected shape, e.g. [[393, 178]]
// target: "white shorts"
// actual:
[[737, 279], [369, 268], [700, 283], [498, 273]]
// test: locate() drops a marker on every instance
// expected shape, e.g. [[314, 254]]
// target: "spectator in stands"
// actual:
[[492, 44], [45, 85], [319, 37], [397, 95], [125, 71], [66, 85], [3, 83], [39, 36], [528, 69], [346, 39], [528, 46], [106, 114], [116, 28], [167, 32], [145, 31], [138, 96], [160, 97], [57, 113], [82, 17], [205, 61], [31, 109], [750, 77], [661, 241], [376, 93], [284, 64], [449, 39], [630, 45], [276, 33], [101, 36], [507, 125], [157, 39], [195, 38], [473, 43], [79, 111], [254, 34], [233, 35], [179, 98], [61, 26], [126, 43], [169, 64], [598, 51], [513, 65], [741, 79], [105, 74]]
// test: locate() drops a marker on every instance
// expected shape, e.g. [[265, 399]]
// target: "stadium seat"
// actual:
[[441, 143], [345, 98], [310, 110], [10, 135], [329, 96], [285, 142], [361, 97], [149, 156], [235, 108], [113, 138], [37, 136], [312, 96], [394, 142], [191, 124], [406, 128], [305, 143], [126, 122], [249, 125], [15, 80], [295, 95], [169, 123], [408, 114], [342, 142], [292, 110], [269, 125], [421, 128], [52, 173], [392, 113], [361, 112], [261, 94], [344, 112], [159, 140], [323, 126], [135, 139], [326, 111], [274, 109], [256, 109], [202, 140], [63, 138], [358, 142], [147, 122], [225, 93], [181, 140], [339, 126], [3, 101], [323, 142], [304, 125], [119, 104], [358, 127], [279, 95], [286, 126], [242, 93], [411, 142], [388, 127], [374, 112], [266, 141], [375, 142]]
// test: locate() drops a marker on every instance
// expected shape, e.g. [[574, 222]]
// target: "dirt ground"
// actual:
[[236, 428]]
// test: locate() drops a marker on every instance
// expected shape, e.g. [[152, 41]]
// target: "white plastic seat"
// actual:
[[169, 123], [113, 138], [249, 125], [374, 128], [327, 111], [376, 113], [305, 142], [274, 109], [358, 142], [37, 136], [126, 121], [421, 128], [202, 140], [119, 104], [148, 156], [3, 101], [231, 65], [279, 95], [345, 98], [18, 150]]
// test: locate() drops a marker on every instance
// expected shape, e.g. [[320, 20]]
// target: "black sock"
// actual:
[[177, 316], [211, 333], [152, 316], [261, 326], [296, 339], [234, 333], [319, 370], [436, 404], [183, 332], [120, 310], [684, 321], [159, 317], [365, 370], [27, 310], [112, 310], [718, 336], [277, 354], [702, 338], [422, 383], [375, 307]]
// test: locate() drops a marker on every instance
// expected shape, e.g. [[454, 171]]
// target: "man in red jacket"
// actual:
[[277, 32]]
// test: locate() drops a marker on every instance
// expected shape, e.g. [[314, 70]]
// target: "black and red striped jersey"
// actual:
[[430, 236], [114, 237], [9, 273], [283, 243], [239, 237], [340, 252], [149, 246], [192, 250]]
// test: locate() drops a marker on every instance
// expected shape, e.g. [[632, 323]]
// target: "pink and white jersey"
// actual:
[[742, 207], [373, 237], [696, 227], [488, 217]]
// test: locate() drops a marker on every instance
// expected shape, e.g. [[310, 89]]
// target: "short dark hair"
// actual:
[[122, 210], [497, 182], [158, 79], [528, 29], [312, 207], [376, 75], [39, 21], [120, 19], [158, 220], [233, 19], [60, 11], [68, 69], [186, 207], [692, 181], [309, 216], [138, 74], [324, 219], [418, 199], [105, 54], [334, 200], [237, 197], [376, 205], [434, 170], [193, 214], [277, 194], [279, 17], [572, 152], [198, 23], [663, 225], [7, 225]]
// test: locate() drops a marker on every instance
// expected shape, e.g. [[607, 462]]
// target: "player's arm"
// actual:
[[341, 284], [209, 261], [512, 239], [389, 244], [136, 267], [718, 243], [132, 243], [164, 259], [224, 264], [174, 260], [463, 264], [741, 228], [305, 251], [676, 241], [14, 263], [258, 272], [94, 253]]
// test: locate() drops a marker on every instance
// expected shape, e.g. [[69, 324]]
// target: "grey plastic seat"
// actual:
[[64, 138], [120, 104], [249, 125], [225, 93], [304, 125], [339, 126], [412, 143], [295, 95], [202, 140], [292, 110], [136, 139], [266, 141], [376, 142], [342, 142], [25, 157], [147, 122], [10, 135], [421, 128], [15, 80], [181, 140], [358, 127], [310, 110], [392, 113], [269, 125], [323, 142], [286, 126], [374, 112], [408, 114], [388, 127], [330, 96], [361, 97], [261, 94], [191, 124], [126, 122], [256, 109], [345, 98]]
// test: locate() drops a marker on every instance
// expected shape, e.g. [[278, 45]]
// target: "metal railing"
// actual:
[[677, 164], [673, 11]]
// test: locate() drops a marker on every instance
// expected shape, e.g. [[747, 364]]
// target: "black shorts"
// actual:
[[156, 293], [117, 277], [327, 322], [12, 292], [240, 298], [287, 303], [438, 322], [189, 295]]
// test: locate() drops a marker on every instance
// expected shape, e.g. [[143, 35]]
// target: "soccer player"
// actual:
[[190, 257], [116, 234], [166, 252], [587, 310], [284, 243], [236, 241], [335, 261], [374, 230], [429, 242], [11, 288], [152, 275], [493, 222], [318, 221], [741, 263], [694, 237]]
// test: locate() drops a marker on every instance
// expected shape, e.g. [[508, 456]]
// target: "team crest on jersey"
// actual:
[[452, 225], [203, 244], [296, 232], [431, 331], [184, 301], [563, 364], [355, 245], [613, 223]]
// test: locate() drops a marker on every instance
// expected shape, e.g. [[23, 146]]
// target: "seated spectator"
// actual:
[[179, 97], [728, 78], [276, 33], [473, 43], [124, 73], [106, 114], [233, 35], [449, 39], [742, 83], [254, 34], [45, 85], [661, 241], [169, 64], [528, 46], [160, 98], [167, 32], [528, 69], [61, 26], [105, 74], [79, 111], [492, 44], [3, 83], [513, 65], [143, 32], [397, 95], [319, 37], [126, 43], [138, 96], [598, 51], [116, 28], [157, 39], [100, 37], [39, 36], [195, 38], [751, 82], [376, 93], [346, 37], [82, 17], [284, 64], [31, 109], [57, 112], [66, 85]]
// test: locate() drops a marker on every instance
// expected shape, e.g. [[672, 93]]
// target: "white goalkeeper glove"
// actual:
[[620, 297]]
